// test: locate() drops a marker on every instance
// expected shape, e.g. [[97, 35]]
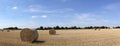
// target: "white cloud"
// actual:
[[43, 9], [36, 8], [64, 10], [103, 12], [38, 16], [114, 6], [104, 20], [33, 10], [44, 16], [14, 8], [84, 16], [88, 19], [33, 17]]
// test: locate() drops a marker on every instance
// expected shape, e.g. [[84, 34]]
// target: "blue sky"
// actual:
[[35, 13]]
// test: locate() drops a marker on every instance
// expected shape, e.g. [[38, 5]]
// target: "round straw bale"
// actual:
[[52, 32], [29, 35], [1, 30], [8, 30]]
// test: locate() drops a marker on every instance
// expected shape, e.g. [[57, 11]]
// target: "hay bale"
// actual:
[[52, 32], [8, 30], [1, 30], [28, 35]]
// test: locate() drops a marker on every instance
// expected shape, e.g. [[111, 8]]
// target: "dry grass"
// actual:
[[105, 37]]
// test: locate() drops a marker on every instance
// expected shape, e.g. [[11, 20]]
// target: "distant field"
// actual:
[[83, 37]]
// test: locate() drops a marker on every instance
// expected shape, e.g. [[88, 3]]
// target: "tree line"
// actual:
[[12, 28], [61, 27], [73, 27]]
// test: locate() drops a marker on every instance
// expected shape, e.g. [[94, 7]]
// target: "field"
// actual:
[[83, 37]]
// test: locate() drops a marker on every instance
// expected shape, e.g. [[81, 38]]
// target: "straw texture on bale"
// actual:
[[1, 30], [29, 35], [52, 32], [8, 30]]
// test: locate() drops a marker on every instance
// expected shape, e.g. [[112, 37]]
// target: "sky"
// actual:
[[36, 13]]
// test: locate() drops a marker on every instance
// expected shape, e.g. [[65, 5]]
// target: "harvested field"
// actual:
[[83, 37]]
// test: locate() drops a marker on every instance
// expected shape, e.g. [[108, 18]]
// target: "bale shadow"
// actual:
[[38, 42], [54, 34], [57, 34]]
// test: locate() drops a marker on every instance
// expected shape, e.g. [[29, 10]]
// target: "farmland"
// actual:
[[82, 37]]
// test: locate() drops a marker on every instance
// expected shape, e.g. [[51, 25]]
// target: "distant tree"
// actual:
[[62, 27], [117, 27], [41, 28], [45, 28], [89, 27], [96, 27], [56, 27], [66, 27], [73, 27], [16, 28], [79, 28], [12, 28], [49, 27]]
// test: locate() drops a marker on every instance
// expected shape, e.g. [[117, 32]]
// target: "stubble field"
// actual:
[[83, 37]]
